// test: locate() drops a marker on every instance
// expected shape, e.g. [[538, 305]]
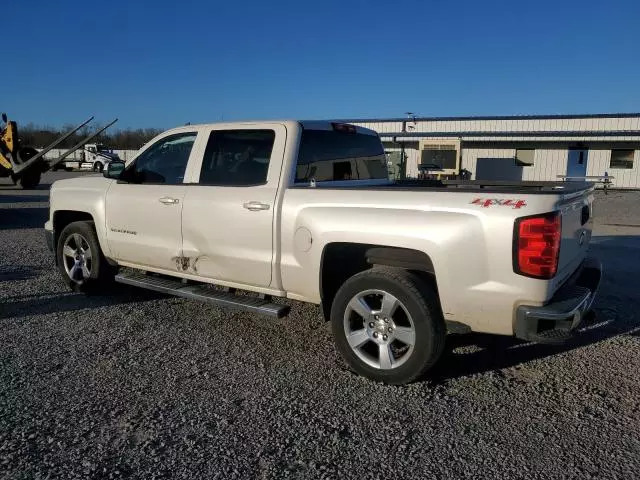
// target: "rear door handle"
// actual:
[[256, 206], [169, 200]]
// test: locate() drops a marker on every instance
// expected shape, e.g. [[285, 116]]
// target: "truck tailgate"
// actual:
[[577, 227]]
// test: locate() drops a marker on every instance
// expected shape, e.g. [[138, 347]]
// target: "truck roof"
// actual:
[[309, 124]]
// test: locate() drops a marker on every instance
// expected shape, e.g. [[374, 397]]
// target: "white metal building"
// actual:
[[540, 147]]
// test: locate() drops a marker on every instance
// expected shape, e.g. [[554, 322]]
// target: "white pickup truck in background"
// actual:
[[306, 211]]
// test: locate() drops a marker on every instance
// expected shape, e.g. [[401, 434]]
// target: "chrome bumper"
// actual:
[[557, 321]]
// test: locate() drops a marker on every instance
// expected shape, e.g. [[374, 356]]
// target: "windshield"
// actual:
[[329, 155]]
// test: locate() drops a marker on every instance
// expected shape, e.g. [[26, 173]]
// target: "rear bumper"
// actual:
[[558, 320]]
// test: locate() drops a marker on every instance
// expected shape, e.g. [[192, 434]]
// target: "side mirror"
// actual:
[[114, 169]]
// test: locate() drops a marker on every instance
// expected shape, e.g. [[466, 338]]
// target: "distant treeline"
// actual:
[[129, 139]]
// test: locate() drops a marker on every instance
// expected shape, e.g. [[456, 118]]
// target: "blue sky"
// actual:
[[161, 64]]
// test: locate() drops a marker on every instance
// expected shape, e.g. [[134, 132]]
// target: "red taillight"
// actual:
[[537, 245]]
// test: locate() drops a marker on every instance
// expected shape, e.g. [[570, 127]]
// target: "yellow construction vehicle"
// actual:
[[25, 164]]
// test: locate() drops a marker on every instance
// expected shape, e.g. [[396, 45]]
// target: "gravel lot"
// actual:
[[138, 385]]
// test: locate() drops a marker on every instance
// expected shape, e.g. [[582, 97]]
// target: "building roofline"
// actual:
[[511, 133], [490, 117]]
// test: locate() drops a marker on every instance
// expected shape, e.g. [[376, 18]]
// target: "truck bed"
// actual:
[[499, 185], [468, 186]]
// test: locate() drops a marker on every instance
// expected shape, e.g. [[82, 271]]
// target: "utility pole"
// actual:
[[403, 163], [403, 160]]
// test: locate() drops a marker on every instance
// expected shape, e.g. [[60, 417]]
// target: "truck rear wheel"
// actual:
[[80, 258], [387, 325]]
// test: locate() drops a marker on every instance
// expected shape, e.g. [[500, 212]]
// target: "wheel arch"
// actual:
[[341, 260], [62, 218]]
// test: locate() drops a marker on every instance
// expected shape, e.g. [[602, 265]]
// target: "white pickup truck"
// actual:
[[239, 213]]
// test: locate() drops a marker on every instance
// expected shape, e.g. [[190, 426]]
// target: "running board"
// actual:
[[202, 293]]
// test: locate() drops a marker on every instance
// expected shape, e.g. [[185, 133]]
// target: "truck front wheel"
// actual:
[[80, 259], [387, 325]]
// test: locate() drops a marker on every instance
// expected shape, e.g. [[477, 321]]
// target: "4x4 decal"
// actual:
[[488, 202]]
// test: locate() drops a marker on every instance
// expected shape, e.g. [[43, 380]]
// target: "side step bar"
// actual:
[[202, 293]]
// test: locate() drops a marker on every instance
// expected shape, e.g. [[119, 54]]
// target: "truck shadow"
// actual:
[[23, 198], [614, 309], [23, 211], [20, 306], [19, 272], [23, 218], [470, 354]]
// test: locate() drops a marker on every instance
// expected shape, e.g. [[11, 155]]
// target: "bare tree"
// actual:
[[127, 139]]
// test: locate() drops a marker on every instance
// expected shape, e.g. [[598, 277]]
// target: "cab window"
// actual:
[[163, 163], [329, 155], [237, 158]]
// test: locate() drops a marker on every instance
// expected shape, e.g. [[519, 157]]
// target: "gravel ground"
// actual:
[[137, 385]]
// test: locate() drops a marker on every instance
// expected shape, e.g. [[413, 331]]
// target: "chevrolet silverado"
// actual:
[[238, 214]]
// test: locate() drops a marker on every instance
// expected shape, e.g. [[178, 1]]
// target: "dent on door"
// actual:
[[188, 264], [198, 244]]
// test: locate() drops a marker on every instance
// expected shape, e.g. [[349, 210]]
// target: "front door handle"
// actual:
[[256, 206], [169, 200]]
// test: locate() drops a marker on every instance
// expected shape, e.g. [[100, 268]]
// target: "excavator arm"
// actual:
[[25, 164], [7, 143]]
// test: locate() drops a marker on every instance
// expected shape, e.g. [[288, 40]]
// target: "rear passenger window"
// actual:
[[237, 158], [329, 155]]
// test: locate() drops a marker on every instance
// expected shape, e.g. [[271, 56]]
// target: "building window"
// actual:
[[621, 159], [524, 157], [439, 154]]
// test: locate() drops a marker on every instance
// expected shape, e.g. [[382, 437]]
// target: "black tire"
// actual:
[[31, 177], [419, 303], [29, 180], [98, 167], [101, 273], [24, 154]]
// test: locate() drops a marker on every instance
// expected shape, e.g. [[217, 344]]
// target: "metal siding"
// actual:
[[468, 160], [599, 163], [630, 177], [498, 117], [547, 165], [413, 158], [470, 156], [548, 162]]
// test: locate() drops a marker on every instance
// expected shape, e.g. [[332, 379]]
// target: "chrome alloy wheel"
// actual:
[[379, 329], [77, 258]]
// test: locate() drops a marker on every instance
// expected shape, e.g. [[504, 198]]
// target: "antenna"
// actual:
[[411, 115]]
